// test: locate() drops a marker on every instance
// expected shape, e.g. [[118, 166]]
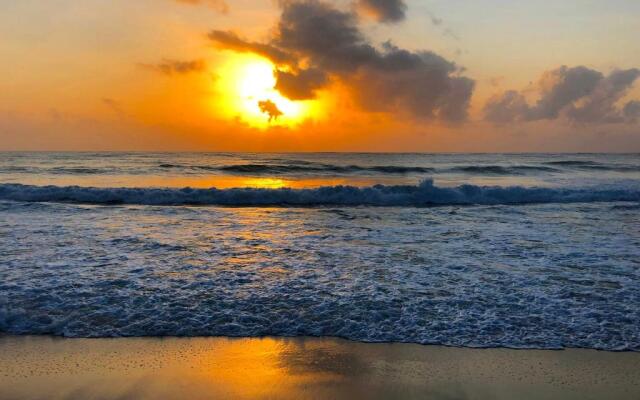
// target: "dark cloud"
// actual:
[[219, 5], [301, 85], [270, 108], [600, 104], [315, 43], [328, 38], [231, 41], [506, 107], [170, 67], [631, 110], [388, 11], [420, 83], [580, 94], [561, 88]]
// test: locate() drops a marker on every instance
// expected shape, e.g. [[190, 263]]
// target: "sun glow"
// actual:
[[246, 84]]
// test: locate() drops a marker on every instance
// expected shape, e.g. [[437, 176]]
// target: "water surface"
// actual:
[[527, 251]]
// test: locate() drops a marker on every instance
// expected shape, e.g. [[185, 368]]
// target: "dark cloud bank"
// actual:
[[579, 94], [315, 43]]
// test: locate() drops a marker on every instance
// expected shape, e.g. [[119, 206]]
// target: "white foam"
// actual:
[[542, 276]]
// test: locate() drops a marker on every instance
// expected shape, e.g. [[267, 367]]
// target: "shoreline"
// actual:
[[39, 367], [308, 337]]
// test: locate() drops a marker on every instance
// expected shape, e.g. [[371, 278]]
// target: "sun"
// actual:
[[246, 86]]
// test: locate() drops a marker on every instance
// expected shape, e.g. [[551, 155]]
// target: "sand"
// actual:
[[33, 367]]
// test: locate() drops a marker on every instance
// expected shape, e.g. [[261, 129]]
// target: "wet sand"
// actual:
[[34, 367]]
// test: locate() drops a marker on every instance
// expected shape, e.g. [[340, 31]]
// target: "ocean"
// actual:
[[476, 250]]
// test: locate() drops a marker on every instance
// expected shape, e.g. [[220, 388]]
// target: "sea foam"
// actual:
[[542, 276]]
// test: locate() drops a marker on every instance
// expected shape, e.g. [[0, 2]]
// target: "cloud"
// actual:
[[561, 88], [314, 44], [171, 67], [270, 108], [600, 105], [219, 5], [631, 110], [302, 85], [231, 41], [420, 83], [506, 107], [387, 11], [579, 94]]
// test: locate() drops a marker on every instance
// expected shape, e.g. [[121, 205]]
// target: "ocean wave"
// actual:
[[424, 194], [79, 170], [294, 167], [301, 167], [311, 167], [502, 170], [594, 166], [615, 168], [15, 168], [572, 162], [626, 207]]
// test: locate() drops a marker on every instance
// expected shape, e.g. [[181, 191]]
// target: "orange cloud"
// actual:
[[315, 44]]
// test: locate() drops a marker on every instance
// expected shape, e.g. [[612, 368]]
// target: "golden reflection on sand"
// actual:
[[302, 368], [157, 368], [258, 370]]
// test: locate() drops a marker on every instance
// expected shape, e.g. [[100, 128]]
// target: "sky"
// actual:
[[320, 75]]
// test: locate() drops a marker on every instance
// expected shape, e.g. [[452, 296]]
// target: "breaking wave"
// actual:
[[424, 194]]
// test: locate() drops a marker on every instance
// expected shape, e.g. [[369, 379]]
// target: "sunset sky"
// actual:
[[302, 75]]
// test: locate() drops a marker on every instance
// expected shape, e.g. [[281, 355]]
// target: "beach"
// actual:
[[319, 199], [45, 367]]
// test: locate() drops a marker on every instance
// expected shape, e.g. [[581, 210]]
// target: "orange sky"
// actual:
[[145, 76]]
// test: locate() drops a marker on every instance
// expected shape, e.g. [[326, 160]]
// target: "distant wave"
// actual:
[[424, 194], [79, 170], [572, 162], [59, 170], [626, 207], [592, 165], [616, 168], [302, 167], [502, 170], [308, 167]]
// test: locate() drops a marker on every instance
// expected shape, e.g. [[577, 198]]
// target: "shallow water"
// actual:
[[500, 266]]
